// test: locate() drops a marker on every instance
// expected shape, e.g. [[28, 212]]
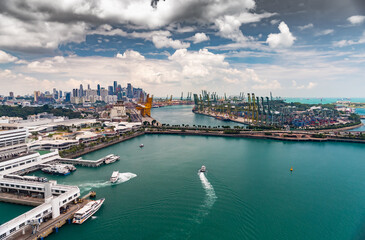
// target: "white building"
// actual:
[[12, 143], [118, 111]]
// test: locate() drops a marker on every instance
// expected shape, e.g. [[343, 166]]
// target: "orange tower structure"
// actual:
[[145, 107]]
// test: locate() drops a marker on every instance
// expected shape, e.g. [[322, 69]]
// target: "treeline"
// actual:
[[24, 112]]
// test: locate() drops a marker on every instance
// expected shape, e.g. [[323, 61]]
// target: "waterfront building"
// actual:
[[12, 143]]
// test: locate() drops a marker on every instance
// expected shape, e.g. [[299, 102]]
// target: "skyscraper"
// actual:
[[110, 90], [11, 95], [129, 90], [37, 94], [115, 87], [81, 91], [98, 90], [60, 94], [67, 97]]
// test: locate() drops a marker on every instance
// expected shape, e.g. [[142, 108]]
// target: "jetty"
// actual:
[[44, 229]]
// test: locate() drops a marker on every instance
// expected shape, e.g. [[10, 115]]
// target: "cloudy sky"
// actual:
[[294, 48]]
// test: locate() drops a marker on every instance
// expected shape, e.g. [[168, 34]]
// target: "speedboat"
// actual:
[[114, 177], [141, 146], [87, 211], [203, 169]]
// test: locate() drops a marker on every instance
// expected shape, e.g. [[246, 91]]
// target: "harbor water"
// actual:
[[248, 191]]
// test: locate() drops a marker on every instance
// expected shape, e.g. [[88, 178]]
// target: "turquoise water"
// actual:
[[247, 193], [182, 114], [9, 211], [250, 194]]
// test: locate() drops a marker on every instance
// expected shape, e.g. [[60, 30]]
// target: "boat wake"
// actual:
[[209, 200], [123, 177]]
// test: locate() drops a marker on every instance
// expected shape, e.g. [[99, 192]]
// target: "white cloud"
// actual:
[[310, 85], [274, 21], [160, 38], [229, 25], [199, 37], [164, 42], [182, 71], [356, 20], [344, 43], [17, 34], [281, 40], [130, 54], [51, 23], [325, 32], [6, 58], [309, 25]]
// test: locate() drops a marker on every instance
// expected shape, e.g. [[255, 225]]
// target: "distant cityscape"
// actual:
[[85, 95]]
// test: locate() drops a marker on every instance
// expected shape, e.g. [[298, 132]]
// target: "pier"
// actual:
[[52, 225]]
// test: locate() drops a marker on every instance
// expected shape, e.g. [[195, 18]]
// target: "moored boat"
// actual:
[[111, 158], [87, 211]]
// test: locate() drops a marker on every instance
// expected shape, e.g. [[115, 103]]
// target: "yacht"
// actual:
[[87, 211], [56, 170], [111, 158], [203, 169], [114, 177]]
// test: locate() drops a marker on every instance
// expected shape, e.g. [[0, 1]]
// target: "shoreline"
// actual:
[[247, 123], [274, 135], [259, 135]]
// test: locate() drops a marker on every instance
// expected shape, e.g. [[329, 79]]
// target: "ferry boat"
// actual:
[[87, 211], [203, 169], [111, 158], [114, 177], [56, 170]]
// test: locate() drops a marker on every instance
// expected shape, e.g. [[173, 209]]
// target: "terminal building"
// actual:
[[16, 160]]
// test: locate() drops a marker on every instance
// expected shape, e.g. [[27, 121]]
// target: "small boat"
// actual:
[[291, 169], [87, 211], [141, 146], [203, 169], [114, 177]]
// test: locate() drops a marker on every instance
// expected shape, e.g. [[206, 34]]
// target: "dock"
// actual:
[[82, 162], [52, 225]]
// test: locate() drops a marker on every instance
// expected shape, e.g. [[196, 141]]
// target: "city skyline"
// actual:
[[292, 48]]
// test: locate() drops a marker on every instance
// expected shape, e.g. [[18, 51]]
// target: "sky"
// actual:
[[292, 48]]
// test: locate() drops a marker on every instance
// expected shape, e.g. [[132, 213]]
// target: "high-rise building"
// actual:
[[110, 90], [129, 90], [11, 95], [115, 87], [68, 96], [88, 87], [75, 93], [37, 94], [81, 91], [60, 94], [98, 90]]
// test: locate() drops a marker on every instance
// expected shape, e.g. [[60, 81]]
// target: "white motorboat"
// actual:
[[87, 211], [203, 169], [111, 158], [114, 177], [141, 146]]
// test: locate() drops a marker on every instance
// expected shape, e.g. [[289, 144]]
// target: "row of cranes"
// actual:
[[257, 110]]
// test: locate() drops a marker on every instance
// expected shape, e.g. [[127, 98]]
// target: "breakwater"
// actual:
[[275, 135]]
